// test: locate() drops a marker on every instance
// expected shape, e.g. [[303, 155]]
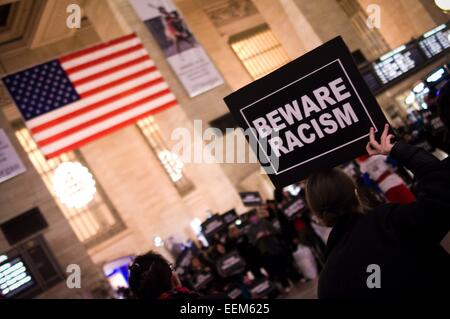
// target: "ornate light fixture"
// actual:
[[73, 184], [444, 5]]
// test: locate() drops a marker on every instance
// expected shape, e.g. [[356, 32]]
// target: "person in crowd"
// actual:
[[152, 277], [201, 276], [274, 260], [288, 233], [218, 251], [250, 254], [392, 251], [223, 281]]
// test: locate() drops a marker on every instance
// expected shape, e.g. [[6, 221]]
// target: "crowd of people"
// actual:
[[371, 211], [426, 128], [262, 253], [270, 249], [261, 247]]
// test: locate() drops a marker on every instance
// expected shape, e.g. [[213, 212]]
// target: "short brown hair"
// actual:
[[331, 194]]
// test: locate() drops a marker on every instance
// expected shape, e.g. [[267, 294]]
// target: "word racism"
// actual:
[[296, 116]]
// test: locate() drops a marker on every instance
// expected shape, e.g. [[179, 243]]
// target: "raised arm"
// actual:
[[430, 214]]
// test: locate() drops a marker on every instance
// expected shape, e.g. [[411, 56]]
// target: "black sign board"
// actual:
[[185, 258], [262, 288], [230, 216], [18, 274], [435, 41], [213, 225], [24, 225], [202, 279], [230, 264], [398, 62], [234, 291], [294, 208], [251, 199], [314, 112], [244, 221]]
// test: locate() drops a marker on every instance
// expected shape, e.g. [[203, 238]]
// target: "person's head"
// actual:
[[233, 232], [271, 204], [263, 213], [331, 194], [151, 275], [162, 10], [220, 248], [196, 264], [443, 104], [278, 194]]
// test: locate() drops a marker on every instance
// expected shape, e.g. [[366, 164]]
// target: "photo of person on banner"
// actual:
[[175, 30]]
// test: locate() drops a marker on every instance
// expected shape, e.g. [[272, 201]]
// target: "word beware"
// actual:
[[299, 111]]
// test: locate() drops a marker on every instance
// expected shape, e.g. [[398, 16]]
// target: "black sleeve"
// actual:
[[429, 216]]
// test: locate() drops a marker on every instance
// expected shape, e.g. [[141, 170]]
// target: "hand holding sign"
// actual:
[[384, 147]]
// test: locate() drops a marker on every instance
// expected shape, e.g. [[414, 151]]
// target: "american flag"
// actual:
[[82, 96]]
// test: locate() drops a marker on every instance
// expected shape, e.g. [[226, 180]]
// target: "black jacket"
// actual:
[[403, 240]]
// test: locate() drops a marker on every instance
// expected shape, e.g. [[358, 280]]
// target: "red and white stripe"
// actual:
[[118, 84]]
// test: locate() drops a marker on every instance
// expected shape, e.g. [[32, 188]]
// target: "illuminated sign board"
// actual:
[[14, 276], [435, 41], [398, 62], [406, 59]]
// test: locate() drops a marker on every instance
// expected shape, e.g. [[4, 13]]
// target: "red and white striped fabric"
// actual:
[[101, 89]]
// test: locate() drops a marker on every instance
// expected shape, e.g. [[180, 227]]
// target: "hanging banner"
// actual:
[[10, 163], [185, 55], [313, 113]]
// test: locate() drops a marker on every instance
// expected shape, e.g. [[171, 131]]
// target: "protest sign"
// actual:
[[230, 264], [230, 216], [251, 198], [201, 279], [185, 258], [213, 225], [294, 208], [313, 113], [261, 288]]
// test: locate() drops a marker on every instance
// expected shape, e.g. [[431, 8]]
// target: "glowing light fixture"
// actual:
[[196, 225], [410, 98], [73, 184], [436, 75], [419, 87], [157, 241], [444, 5]]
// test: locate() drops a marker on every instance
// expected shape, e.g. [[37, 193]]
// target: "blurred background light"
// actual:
[[73, 184]]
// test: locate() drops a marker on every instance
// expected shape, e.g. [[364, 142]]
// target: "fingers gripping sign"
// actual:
[[383, 147]]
